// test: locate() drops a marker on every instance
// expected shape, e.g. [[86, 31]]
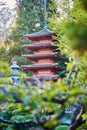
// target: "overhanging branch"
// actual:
[[17, 122]]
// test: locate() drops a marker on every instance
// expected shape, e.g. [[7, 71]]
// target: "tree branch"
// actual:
[[17, 122], [56, 100], [76, 124]]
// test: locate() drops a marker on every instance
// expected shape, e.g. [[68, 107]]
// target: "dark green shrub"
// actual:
[[61, 127]]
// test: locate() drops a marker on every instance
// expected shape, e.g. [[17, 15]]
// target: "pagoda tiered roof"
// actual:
[[44, 57], [35, 57], [45, 66], [43, 34]]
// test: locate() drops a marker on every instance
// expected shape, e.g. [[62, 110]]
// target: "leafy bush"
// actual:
[[61, 127]]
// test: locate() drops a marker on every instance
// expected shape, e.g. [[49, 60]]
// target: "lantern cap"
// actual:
[[14, 65]]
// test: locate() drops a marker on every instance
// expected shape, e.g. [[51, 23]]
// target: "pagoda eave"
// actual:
[[39, 46], [35, 38], [43, 67], [42, 78], [44, 56], [39, 56]]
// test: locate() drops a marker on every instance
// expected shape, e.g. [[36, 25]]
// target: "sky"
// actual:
[[11, 7], [9, 3]]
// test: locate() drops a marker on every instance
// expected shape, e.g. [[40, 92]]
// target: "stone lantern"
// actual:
[[65, 117], [14, 73]]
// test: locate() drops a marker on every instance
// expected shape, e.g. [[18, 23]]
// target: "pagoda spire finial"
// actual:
[[45, 21]]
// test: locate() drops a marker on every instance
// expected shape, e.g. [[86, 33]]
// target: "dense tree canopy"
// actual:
[[71, 30], [30, 19]]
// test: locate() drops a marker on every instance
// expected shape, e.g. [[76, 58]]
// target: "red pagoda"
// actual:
[[44, 66]]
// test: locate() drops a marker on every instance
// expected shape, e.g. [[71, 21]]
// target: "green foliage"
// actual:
[[82, 4], [61, 127], [3, 53], [84, 126], [22, 118], [72, 37], [4, 68], [76, 35]]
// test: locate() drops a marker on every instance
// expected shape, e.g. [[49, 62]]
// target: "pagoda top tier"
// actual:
[[40, 35]]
